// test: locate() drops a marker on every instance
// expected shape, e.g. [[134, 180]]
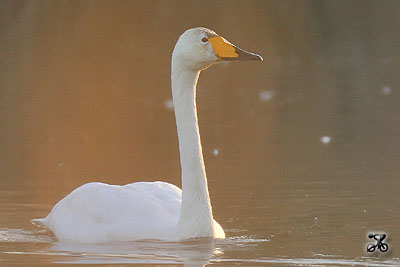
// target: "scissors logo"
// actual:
[[383, 247]]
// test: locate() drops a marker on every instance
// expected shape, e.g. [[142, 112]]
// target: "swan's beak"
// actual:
[[227, 51]]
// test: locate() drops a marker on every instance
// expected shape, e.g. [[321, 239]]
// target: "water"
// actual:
[[297, 215], [296, 225], [301, 150]]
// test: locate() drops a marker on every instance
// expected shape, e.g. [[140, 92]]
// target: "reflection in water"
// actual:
[[84, 89], [195, 252], [190, 253]]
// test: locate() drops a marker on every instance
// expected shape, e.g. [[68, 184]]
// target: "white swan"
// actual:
[[97, 212]]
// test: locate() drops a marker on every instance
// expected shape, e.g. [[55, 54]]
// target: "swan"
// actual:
[[98, 213]]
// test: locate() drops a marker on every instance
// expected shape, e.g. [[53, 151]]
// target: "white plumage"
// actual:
[[97, 212]]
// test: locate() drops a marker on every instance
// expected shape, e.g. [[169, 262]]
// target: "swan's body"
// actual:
[[97, 212]]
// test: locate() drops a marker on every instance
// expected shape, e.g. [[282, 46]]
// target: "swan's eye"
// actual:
[[204, 40]]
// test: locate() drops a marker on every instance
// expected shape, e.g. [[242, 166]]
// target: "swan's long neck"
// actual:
[[196, 218]]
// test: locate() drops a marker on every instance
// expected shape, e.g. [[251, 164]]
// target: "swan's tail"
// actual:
[[40, 222]]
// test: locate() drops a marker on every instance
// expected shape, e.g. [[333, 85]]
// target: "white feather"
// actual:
[[97, 212]]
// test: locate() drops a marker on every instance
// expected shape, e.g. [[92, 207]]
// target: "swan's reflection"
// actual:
[[195, 252]]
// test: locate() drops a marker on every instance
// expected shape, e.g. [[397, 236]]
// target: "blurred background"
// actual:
[[312, 131]]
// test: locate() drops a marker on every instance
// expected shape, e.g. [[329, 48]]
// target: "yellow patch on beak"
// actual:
[[223, 48]]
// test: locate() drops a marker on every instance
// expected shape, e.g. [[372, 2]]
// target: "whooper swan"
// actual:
[[98, 212]]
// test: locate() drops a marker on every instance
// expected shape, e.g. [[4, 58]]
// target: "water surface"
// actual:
[[301, 151]]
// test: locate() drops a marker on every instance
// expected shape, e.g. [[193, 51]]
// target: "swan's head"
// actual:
[[199, 48]]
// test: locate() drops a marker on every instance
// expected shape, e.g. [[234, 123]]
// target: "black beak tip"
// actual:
[[245, 55]]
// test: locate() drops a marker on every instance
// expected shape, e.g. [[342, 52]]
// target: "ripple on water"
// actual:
[[195, 252], [21, 235], [315, 262]]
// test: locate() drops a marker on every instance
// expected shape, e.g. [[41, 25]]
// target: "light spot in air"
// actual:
[[169, 104], [386, 90], [266, 95], [60, 164], [215, 152], [326, 139]]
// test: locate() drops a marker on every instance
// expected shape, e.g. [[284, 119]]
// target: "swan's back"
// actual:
[[97, 212]]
